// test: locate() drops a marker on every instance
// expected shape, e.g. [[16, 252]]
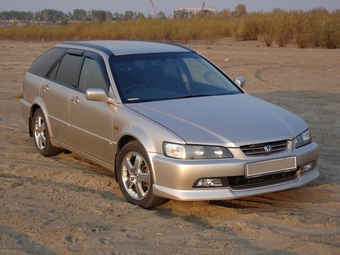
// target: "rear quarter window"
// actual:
[[43, 64]]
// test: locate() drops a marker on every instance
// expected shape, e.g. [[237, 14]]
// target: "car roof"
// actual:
[[127, 47]]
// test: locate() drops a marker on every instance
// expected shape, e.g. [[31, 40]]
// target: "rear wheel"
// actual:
[[41, 135], [135, 177]]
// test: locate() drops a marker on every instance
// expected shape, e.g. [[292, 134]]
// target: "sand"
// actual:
[[66, 205]]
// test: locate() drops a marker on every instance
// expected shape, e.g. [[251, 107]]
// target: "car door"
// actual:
[[55, 91], [91, 122]]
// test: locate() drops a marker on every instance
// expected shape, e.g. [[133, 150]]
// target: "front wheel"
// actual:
[[135, 178], [41, 135]]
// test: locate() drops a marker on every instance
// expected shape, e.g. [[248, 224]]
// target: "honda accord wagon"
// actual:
[[168, 122]]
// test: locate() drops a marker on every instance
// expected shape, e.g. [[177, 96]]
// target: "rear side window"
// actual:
[[68, 69], [43, 64], [91, 76]]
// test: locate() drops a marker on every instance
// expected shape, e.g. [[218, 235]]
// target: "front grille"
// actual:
[[241, 182], [261, 149]]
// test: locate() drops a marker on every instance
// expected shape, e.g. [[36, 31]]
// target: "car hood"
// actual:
[[229, 120]]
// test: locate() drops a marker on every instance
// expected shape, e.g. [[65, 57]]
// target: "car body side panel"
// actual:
[[25, 109], [31, 91], [31, 86], [91, 127], [98, 161], [55, 98]]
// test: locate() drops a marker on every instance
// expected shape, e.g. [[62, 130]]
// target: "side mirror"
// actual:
[[98, 94], [240, 81]]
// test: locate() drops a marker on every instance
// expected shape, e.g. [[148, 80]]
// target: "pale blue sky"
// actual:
[[167, 6]]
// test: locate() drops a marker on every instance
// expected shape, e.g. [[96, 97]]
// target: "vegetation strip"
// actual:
[[313, 28]]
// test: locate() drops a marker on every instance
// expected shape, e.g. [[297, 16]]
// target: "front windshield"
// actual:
[[151, 77]]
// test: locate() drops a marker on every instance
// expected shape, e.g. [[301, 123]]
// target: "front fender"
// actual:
[[151, 141]]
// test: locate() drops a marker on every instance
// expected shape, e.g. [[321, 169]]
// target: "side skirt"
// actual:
[[96, 160]]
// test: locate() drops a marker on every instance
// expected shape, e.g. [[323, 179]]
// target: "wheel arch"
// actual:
[[152, 142], [128, 138], [124, 140], [35, 106]]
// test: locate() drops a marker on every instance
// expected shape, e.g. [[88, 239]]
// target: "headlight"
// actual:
[[303, 139], [181, 151]]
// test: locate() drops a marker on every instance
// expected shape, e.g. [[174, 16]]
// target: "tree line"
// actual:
[[55, 16], [81, 15]]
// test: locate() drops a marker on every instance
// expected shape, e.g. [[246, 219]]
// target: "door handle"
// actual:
[[75, 99], [45, 87]]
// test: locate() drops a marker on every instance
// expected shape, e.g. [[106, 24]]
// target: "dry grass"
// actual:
[[314, 28]]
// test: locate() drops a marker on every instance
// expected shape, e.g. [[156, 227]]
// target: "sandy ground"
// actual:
[[66, 205]]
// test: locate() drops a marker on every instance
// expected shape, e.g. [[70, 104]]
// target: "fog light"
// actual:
[[307, 167], [209, 183]]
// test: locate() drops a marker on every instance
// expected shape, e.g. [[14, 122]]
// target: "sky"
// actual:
[[166, 6]]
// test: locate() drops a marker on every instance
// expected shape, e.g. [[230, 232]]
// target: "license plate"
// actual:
[[256, 169]]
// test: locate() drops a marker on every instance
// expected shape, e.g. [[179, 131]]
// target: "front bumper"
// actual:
[[175, 179], [199, 194]]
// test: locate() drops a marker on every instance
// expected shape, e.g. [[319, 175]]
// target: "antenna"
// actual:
[[203, 6], [153, 7]]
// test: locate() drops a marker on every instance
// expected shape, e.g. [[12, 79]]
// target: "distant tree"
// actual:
[[16, 15], [129, 15], [38, 16], [45, 15], [139, 14], [160, 15], [69, 16], [98, 15], [31, 16], [65, 20], [55, 15], [79, 15], [109, 16], [4, 15], [240, 9], [118, 16], [141, 17], [88, 16], [181, 14], [20, 15], [226, 13], [50, 15]]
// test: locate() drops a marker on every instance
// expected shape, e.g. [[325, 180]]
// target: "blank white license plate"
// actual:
[[270, 166]]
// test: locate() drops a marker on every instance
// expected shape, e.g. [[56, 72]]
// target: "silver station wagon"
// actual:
[[165, 120]]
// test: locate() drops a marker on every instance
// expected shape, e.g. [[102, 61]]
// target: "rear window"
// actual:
[[43, 64]]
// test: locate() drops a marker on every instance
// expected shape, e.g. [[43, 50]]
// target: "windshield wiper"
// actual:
[[194, 95]]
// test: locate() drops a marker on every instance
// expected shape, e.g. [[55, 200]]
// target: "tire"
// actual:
[[41, 135], [135, 176]]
